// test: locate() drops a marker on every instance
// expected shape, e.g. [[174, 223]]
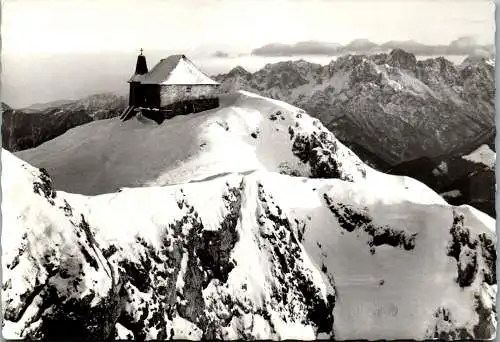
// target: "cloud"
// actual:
[[220, 54], [459, 46], [300, 48], [359, 45]]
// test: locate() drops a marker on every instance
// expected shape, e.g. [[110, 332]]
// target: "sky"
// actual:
[[44, 40]]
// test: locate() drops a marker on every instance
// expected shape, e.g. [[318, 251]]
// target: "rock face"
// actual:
[[30, 127], [388, 105], [56, 282], [243, 254]]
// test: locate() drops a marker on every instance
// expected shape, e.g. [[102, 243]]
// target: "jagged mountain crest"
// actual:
[[239, 70], [430, 105]]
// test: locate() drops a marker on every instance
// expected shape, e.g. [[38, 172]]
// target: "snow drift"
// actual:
[[228, 249]]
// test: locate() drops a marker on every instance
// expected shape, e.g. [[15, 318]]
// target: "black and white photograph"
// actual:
[[248, 170]]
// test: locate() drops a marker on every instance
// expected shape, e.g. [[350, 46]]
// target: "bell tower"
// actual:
[[141, 67]]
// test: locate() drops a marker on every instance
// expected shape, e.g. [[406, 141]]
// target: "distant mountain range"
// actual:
[[388, 105], [29, 127]]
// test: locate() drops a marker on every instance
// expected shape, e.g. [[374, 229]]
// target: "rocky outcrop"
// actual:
[[56, 281], [351, 219], [399, 58]]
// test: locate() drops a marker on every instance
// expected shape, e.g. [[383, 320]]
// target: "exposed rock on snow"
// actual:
[[56, 281], [269, 258], [351, 220]]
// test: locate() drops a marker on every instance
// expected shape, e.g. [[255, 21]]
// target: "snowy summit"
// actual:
[[245, 221]]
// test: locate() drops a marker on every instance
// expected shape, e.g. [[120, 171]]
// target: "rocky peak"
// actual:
[[439, 64], [99, 101], [282, 74], [349, 62], [303, 64], [435, 71], [476, 61], [238, 71], [402, 59], [379, 58]]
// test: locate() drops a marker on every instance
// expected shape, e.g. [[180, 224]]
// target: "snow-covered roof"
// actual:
[[175, 69]]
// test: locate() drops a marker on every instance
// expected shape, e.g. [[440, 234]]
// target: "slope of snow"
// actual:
[[271, 257], [246, 133], [482, 155]]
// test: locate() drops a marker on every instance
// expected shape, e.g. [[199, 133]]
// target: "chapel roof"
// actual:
[[175, 69]]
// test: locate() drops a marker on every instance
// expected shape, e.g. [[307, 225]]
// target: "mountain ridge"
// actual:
[[429, 106], [29, 127]]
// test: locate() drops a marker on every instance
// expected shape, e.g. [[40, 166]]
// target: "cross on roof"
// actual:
[[141, 51]]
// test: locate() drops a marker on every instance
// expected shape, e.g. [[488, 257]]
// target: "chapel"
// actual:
[[174, 86]]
